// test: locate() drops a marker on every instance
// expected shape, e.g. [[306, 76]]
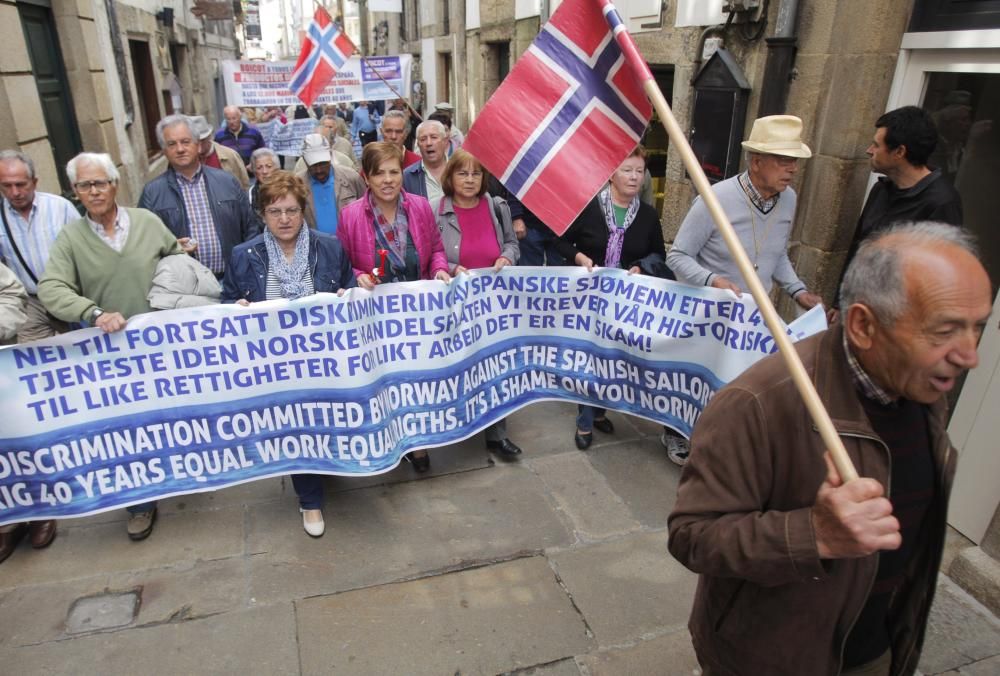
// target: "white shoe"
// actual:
[[312, 521], [678, 448]]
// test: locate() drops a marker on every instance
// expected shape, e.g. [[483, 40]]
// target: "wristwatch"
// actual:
[[97, 312]]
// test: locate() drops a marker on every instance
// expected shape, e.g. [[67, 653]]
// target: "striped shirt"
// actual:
[[119, 233], [273, 289], [49, 213], [200, 223]]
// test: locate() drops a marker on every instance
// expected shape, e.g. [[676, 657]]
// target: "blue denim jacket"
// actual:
[[246, 274]]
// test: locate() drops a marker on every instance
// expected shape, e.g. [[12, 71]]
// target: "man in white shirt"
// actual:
[[31, 222]]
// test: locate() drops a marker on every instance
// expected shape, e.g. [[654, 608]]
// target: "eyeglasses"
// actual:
[[87, 186], [469, 174], [275, 212]]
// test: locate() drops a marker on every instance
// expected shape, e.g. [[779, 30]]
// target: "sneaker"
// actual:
[[140, 524], [678, 448]]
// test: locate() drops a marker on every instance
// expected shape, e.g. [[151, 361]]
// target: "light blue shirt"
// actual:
[[325, 203], [49, 213]]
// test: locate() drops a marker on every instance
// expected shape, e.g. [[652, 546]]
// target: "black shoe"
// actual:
[[604, 425], [583, 441], [505, 448], [421, 463]]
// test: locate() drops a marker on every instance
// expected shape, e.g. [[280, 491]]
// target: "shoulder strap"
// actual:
[[13, 243]]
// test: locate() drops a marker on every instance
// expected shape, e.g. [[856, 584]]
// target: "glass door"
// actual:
[[960, 87]]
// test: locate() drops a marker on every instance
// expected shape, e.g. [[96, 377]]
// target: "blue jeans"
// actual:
[[309, 488], [537, 248], [144, 507], [585, 419]]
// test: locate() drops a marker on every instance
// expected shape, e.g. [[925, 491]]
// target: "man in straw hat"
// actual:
[[801, 573], [760, 203]]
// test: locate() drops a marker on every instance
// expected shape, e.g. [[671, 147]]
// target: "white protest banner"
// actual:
[[286, 138], [265, 83], [193, 400]]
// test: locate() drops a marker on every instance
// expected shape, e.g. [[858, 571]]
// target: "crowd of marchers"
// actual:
[[800, 572]]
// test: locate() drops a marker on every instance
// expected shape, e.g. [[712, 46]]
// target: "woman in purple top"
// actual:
[[477, 233], [386, 219]]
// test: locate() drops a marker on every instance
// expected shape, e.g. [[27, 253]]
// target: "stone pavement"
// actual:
[[554, 566]]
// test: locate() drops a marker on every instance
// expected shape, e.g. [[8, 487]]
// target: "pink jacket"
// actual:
[[356, 232]]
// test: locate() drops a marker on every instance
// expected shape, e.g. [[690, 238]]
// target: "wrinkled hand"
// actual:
[[501, 263], [808, 300], [442, 276], [243, 302], [584, 261], [460, 269], [852, 520], [366, 282], [109, 322], [189, 245], [720, 282], [520, 229]]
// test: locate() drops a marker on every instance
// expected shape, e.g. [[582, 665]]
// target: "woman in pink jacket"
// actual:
[[390, 235]]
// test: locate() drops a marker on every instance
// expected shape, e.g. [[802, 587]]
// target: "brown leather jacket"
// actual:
[[765, 602]]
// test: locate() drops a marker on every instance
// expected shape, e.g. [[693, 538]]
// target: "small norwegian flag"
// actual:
[[567, 115], [325, 49]]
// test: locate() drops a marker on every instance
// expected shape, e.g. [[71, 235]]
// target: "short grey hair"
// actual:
[[432, 123], [875, 275], [18, 156], [101, 160], [401, 115], [173, 121], [262, 152]]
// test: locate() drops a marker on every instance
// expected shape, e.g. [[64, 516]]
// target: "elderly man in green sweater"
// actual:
[[101, 268]]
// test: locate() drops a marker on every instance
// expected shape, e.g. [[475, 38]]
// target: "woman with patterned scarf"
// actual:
[[289, 261], [391, 235], [615, 230]]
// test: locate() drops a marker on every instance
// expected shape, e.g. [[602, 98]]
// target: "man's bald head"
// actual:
[[233, 118], [916, 300]]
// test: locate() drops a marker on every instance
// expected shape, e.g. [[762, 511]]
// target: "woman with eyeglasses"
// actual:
[[289, 261], [392, 232], [615, 230], [476, 231]]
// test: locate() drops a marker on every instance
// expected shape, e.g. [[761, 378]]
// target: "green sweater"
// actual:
[[83, 272]]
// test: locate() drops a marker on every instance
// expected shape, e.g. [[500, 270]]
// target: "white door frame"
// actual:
[[974, 427]]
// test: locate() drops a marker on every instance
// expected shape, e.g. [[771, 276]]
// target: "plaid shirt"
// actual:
[[764, 205], [49, 213], [863, 381], [119, 234], [200, 223]]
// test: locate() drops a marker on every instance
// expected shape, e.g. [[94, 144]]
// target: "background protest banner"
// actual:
[[198, 399], [265, 83], [286, 139]]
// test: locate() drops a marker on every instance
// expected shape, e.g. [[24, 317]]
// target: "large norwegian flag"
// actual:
[[325, 50], [567, 115]]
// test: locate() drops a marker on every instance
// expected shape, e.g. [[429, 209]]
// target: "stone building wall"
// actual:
[[97, 91]]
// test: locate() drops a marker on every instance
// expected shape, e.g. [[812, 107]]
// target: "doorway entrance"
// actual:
[[956, 77]]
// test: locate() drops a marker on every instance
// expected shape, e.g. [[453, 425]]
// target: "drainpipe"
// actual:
[[781, 50]]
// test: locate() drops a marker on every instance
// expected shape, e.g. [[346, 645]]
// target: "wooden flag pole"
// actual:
[[805, 386]]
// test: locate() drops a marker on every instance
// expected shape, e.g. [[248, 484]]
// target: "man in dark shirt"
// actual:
[[910, 190]]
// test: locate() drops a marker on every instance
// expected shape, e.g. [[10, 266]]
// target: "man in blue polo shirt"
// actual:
[[330, 188]]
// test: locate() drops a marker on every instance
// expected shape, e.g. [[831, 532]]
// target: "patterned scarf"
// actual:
[[616, 235], [391, 236], [290, 276]]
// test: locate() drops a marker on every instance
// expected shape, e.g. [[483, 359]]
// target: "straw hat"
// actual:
[[777, 135], [200, 127]]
